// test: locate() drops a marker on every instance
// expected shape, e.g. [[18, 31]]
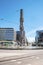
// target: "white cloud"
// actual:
[[31, 34], [31, 39]]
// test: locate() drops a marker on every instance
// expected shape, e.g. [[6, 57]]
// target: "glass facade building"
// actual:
[[39, 36], [19, 37], [7, 34]]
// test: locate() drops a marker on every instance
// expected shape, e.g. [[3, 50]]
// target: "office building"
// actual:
[[39, 37], [7, 34]]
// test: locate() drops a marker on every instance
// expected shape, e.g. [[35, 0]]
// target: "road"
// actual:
[[34, 57]]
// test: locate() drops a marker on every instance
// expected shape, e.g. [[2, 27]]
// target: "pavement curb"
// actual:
[[20, 48]]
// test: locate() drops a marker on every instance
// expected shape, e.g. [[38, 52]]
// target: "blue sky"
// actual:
[[33, 15]]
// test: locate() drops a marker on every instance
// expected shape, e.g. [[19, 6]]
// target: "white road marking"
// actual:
[[19, 59], [19, 62], [28, 64], [37, 57]]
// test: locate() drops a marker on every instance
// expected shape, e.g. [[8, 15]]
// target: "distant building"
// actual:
[[7, 34], [39, 37], [19, 38], [18, 35]]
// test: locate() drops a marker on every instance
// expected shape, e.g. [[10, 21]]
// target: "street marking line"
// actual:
[[37, 57], [19, 62], [28, 64]]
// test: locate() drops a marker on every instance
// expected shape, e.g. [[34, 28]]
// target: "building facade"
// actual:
[[18, 37], [39, 37], [7, 34]]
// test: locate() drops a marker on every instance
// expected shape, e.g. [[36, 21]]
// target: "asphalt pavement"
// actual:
[[24, 57], [33, 60]]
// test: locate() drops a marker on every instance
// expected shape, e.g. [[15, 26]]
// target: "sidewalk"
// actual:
[[14, 54], [11, 57], [6, 55]]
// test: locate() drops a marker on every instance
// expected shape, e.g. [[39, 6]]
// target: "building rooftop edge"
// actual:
[[6, 28]]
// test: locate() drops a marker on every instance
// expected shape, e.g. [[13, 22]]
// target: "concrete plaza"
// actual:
[[21, 57]]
